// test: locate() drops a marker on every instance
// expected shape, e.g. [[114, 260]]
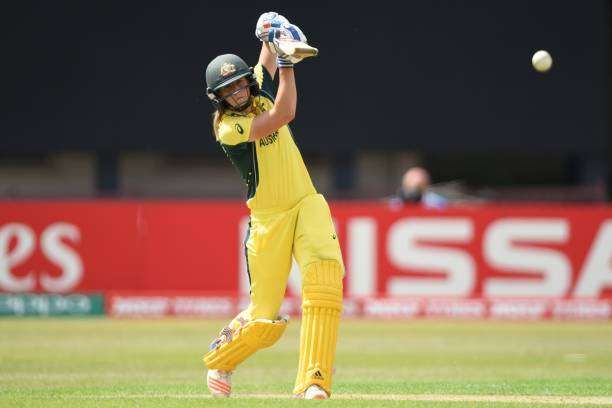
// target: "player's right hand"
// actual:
[[267, 21], [287, 32]]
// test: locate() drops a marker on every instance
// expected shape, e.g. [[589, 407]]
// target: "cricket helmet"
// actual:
[[222, 71]]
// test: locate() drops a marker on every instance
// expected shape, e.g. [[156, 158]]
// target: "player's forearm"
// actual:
[[283, 110], [268, 59], [286, 97]]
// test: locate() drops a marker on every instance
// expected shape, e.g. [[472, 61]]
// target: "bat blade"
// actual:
[[297, 49]]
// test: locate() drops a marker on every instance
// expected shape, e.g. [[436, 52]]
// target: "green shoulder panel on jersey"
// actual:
[[265, 81], [244, 157]]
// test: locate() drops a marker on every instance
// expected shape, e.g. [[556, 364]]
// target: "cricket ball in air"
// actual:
[[542, 61]]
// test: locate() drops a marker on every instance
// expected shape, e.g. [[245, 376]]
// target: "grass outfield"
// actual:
[[157, 363]]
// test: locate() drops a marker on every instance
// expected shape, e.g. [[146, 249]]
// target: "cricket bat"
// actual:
[[297, 48]]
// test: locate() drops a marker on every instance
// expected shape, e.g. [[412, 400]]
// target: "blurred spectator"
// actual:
[[415, 188]]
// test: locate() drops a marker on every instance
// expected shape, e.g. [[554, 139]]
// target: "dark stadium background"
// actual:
[[449, 80]]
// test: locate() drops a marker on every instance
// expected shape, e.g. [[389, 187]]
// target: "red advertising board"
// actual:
[[477, 252], [67, 246]]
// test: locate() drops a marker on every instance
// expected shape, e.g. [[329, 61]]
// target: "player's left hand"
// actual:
[[287, 32], [267, 21]]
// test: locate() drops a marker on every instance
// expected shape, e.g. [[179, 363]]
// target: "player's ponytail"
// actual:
[[217, 115]]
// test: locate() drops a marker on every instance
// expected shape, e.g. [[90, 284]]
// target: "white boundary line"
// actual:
[[525, 399]]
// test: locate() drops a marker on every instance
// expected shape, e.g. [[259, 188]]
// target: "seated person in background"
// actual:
[[415, 188]]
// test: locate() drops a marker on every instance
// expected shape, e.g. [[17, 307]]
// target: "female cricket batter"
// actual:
[[288, 218]]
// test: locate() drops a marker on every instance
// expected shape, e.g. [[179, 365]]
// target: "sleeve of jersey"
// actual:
[[264, 79], [234, 130]]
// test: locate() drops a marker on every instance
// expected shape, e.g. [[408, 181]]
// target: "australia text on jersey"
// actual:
[[268, 140]]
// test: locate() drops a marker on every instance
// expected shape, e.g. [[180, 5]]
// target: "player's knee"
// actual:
[[328, 272], [322, 284], [322, 251]]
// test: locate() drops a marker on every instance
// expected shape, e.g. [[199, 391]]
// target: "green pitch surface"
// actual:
[[157, 363]]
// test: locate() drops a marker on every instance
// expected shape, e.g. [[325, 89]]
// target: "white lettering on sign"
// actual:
[[53, 248], [361, 235], [517, 248], [25, 242], [502, 251], [61, 255], [517, 309], [597, 272], [405, 252]]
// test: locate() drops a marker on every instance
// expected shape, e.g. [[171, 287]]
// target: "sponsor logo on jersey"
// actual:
[[260, 105]]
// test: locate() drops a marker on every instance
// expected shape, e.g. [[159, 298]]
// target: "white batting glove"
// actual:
[[287, 32], [284, 62], [267, 21]]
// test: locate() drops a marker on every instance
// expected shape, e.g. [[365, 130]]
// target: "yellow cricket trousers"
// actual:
[[305, 231]]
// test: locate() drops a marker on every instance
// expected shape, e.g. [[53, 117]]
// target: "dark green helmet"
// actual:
[[224, 70]]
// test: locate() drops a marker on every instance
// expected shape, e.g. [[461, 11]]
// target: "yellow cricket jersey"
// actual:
[[272, 167]]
